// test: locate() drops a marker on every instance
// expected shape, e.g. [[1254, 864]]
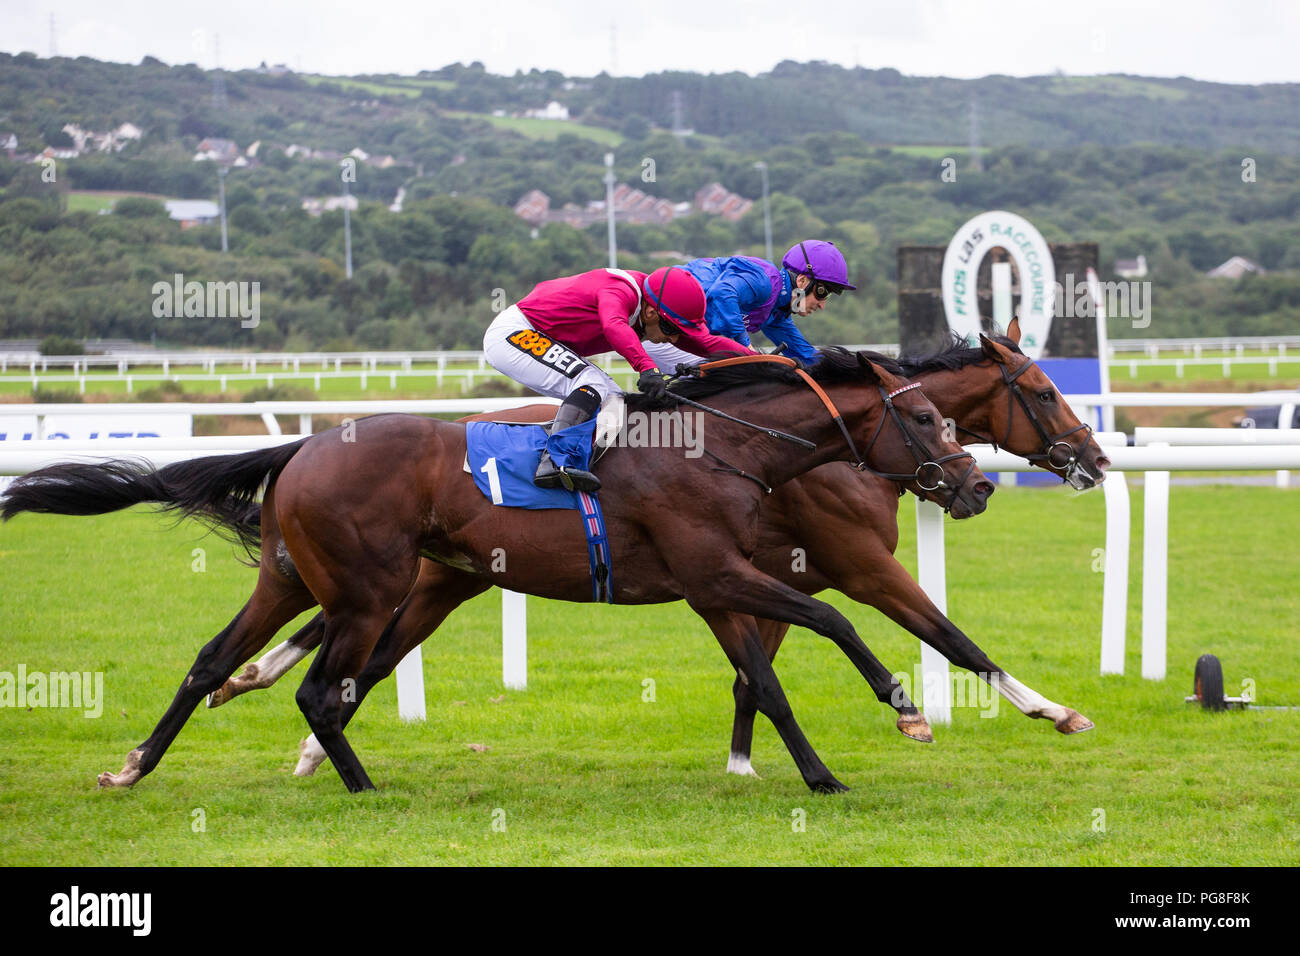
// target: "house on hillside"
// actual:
[[218, 150], [314, 207], [554, 110], [1235, 268], [631, 206], [85, 141], [533, 207], [1131, 268], [9, 143], [717, 200], [49, 152], [192, 212]]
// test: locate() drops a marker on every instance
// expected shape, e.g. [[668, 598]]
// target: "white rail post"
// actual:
[[1103, 348], [1155, 571], [1285, 415], [410, 686], [514, 639], [1114, 589], [936, 685]]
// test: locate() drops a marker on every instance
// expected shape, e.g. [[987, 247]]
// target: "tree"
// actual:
[[61, 345], [139, 207]]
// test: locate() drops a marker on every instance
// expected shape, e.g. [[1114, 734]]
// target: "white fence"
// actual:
[[1238, 344], [318, 366], [1156, 452]]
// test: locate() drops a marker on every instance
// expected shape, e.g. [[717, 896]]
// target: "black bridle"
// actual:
[[926, 463], [1050, 444]]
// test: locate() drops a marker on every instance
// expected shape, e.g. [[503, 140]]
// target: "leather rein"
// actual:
[[927, 465]]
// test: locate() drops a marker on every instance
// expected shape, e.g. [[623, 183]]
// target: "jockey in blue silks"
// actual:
[[747, 294]]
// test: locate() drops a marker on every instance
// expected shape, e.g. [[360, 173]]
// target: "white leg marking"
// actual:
[[739, 764], [310, 756], [277, 662], [1028, 701], [260, 674]]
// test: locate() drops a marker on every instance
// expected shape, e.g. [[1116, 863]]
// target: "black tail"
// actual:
[[219, 490]]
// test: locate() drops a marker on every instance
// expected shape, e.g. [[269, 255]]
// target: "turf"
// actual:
[[581, 769], [535, 128]]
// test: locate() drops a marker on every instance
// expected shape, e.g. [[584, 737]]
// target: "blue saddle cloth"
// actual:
[[512, 452], [503, 459]]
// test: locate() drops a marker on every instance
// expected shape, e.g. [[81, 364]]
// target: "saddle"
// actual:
[[610, 421]]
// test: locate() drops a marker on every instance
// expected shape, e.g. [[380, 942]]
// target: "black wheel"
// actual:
[[1209, 682]]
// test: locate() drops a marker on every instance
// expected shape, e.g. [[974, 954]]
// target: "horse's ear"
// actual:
[[1013, 330], [872, 372], [993, 350]]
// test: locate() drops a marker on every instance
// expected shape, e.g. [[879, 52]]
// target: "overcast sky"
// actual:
[[1235, 42]]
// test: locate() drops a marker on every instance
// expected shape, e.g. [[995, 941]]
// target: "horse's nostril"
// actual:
[[984, 488], [1102, 463]]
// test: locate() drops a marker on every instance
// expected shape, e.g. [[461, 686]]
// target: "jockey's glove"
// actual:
[[653, 383]]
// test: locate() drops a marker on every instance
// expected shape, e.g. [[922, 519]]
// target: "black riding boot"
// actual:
[[578, 407]]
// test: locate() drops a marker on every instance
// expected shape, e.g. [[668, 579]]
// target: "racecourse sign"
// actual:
[[1033, 259]]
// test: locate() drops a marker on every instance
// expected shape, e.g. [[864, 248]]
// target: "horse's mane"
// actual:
[[836, 365], [954, 354]]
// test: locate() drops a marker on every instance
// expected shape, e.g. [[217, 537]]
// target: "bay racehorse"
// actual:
[[344, 524], [839, 517], [843, 519]]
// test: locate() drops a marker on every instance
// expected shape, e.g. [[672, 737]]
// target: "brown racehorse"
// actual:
[[344, 524], [845, 522]]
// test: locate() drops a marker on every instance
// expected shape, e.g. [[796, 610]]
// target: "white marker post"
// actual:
[[1114, 588], [410, 686], [514, 640], [1103, 347], [1155, 571], [1285, 415], [936, 687]]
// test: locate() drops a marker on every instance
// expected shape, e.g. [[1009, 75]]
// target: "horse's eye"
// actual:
[[925, 418], [1047, 397]]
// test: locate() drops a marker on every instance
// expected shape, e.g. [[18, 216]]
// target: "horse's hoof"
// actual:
[[310, 756], [129, 775], [829, 785], [219, 696], [1073, 723], [916, 727]]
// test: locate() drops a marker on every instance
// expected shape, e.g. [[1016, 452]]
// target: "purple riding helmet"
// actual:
[[818, 259]]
